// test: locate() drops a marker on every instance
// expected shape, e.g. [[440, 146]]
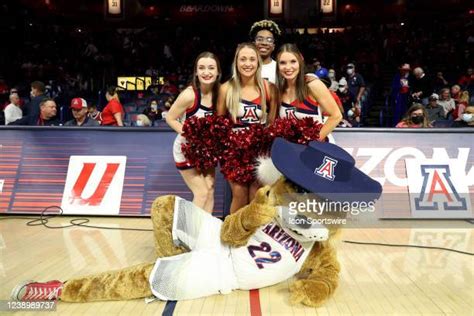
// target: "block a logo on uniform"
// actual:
[[290, 113], [439, 189], [250, 114], [94, 185]]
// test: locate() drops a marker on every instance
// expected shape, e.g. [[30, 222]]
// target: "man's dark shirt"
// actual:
[[461, 124], [35, 120], [423, 85], [33, 107]]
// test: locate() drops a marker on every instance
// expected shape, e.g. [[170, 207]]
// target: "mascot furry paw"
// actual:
[[264, 243]]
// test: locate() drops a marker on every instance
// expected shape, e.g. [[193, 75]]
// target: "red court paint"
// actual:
[[255, 309]]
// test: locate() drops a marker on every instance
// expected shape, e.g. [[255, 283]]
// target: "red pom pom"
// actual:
[[300, 131], [241, 150], [203, 147], [210, 140]]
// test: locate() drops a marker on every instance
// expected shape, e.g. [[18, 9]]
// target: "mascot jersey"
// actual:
[[270, 256], [198, 110]]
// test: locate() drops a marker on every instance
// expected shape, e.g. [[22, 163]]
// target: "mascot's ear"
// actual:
[[267, 173]]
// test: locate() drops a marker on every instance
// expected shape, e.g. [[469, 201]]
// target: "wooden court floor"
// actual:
[[375, 280]]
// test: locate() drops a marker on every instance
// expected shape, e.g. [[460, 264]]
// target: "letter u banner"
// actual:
[[89, 171], [94, 185]]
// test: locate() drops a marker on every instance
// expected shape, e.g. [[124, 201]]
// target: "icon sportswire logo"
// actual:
[[94, 185]]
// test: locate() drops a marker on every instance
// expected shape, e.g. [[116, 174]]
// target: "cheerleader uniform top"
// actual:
[[198, 109], [308, 108], [299, 110], [250, 112]]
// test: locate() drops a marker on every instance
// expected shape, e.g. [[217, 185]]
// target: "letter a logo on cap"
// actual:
[[326, 170]]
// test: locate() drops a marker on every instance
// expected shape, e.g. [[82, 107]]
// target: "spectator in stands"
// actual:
[[143, 121], [45, 117], [264, 34], [152, 72], [421, 87], [167, 107], [439, 82], [79, 112], [323, 75], [315, 64], [347, 99], [13, 111], [467, 119], [462, 103], [434, 110], [169, 88], [90, 50], [113, 113], [93, 113], [416, 117], [356, 84], [152, 111], [400, 92], [3, 86], [446, 102], [37, 96], [456, 92], [466, 81], [167, 53], [334, 84], [353, 117]]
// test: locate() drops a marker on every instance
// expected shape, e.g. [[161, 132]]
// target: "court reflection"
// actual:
[[94, 249], [400, 265], [3, 247]]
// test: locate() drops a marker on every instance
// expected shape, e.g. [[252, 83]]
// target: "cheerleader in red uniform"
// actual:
[[247, 99], [199, 100], [302, 98]]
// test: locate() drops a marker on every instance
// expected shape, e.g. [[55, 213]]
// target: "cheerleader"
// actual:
[[303, 98], [247, 99], [199, 100]]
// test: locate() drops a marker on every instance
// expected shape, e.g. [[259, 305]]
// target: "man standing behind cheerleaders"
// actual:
[[264, 34]]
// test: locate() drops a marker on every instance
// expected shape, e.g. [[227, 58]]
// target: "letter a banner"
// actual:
[[439, 188], [94, 185]]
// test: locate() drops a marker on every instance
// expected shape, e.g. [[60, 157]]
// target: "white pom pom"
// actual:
[[267, 173]]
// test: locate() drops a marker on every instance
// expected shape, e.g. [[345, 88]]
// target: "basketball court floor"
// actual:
[[374, 280]]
